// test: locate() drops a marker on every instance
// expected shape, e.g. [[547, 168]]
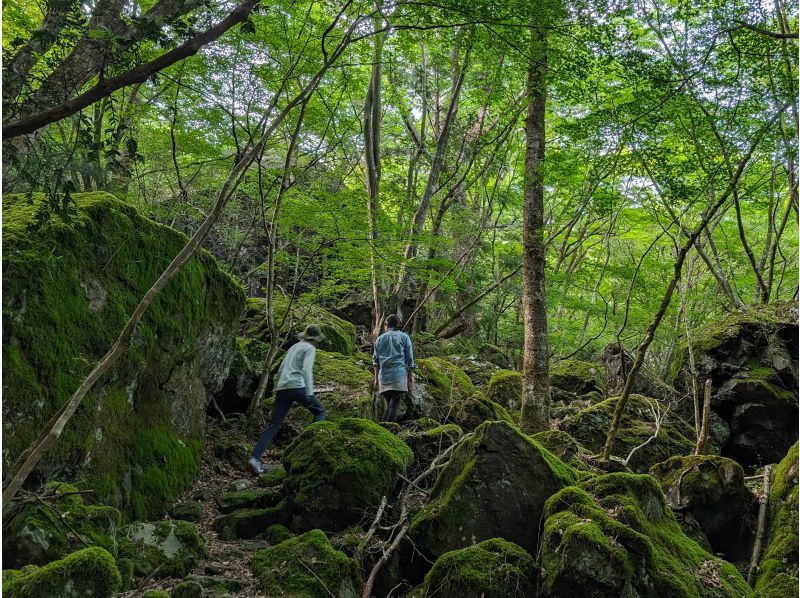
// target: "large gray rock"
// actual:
[[495, 485]]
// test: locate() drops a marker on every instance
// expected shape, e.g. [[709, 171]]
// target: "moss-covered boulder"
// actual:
[[505, 388], [438, 386], [495, 485], [277, 533], [252, 498], [613, 535], [336, 470], [478, 370], [306, 566], [778, 568], [490, 569], [273, 478], [344, 384], [293, 316], [709, 491], [37, 531], [68, 289], [87, 572], [161, 548], [751, 356], [590, 427], [251, 522], [577, 377], [471, 411], [427, 438], [565, 447]]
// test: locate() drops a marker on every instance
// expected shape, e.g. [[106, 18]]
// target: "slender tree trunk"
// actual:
[[536, 384]]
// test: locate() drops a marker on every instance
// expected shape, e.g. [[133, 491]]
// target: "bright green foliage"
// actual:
[[69, 287], [168, 548], [780, 560], [614, 535], [40, 532], [337, 470], [87, 572], [305, 566], [505, 388], [590, 427], [491, 569]]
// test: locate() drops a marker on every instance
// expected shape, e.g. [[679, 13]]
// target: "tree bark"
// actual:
[[536, 384]]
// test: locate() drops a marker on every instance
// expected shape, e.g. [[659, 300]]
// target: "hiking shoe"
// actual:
[[254, 466]]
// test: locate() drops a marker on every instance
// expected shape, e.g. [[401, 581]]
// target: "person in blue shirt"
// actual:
[[393, 359]]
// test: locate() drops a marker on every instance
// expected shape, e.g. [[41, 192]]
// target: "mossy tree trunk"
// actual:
[[536, 384]]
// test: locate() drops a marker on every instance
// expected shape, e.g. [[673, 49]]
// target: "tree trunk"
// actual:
[[536, 387]]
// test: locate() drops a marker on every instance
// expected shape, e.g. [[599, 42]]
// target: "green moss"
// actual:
[[110, 254], [340, 335], [252, 498], [305, 566], [493, 568], [780, 586], [563, 446], [277, 533], [348, 380], [273, 478], [162, 548], [89, 572], [616, 532], [590, 427], [505, 388], [427, 443], [471, 411], [156, 594], [781, 554], [698, 474], [249, 523], [40, 532], [444, 381], [576, 376], [336, 470]]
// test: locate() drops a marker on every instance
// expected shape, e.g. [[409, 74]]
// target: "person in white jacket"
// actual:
[[295, 384]]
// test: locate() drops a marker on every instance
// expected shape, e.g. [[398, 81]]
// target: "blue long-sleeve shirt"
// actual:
[[394, 356]]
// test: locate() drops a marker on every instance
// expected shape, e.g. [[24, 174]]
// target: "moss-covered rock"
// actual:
[[438, 386], [710, 491], [68, 289], [293, 316], [306, 566], [613, 535], [490, 569], [249, 523], [578, 377], [87, 572], [505, 388], [427, 441], [191, 510], [590, 427], [346, 381], [750, 355], [478, 370], [273, 478], [779, 563], [161, 548], [252, 498], [471, 411], [337, 470], [39, 531], [495, 485], [156, 594], [187, 589], [277, 533], [564, 446]]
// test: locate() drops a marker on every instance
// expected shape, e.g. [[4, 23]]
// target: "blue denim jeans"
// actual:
[[284, 399]]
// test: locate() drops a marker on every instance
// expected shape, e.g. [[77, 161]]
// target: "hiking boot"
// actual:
[[254, 466]]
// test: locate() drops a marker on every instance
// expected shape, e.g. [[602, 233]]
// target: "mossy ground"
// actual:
[[336, 470], [493, 568], [306, 566], [68, 290], [614, 534], [87, 572]]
